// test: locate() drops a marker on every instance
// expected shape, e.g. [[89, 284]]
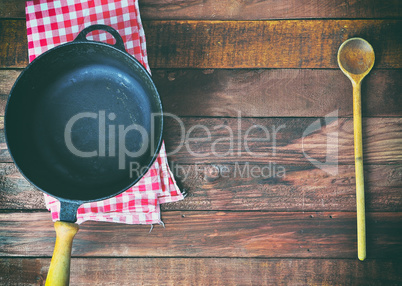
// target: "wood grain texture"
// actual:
[[267, 44], [235, 230], [7, 80], [246, 10], [267, 9], [220, 187], [13, 43], [289, 141], [275, 92], [4, 154], [207, 271], [241, 44], [212, 234], [264, 92], [16, 192], [281, 140], [12, 9]]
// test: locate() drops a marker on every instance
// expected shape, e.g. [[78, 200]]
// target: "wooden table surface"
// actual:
[[288, 222]]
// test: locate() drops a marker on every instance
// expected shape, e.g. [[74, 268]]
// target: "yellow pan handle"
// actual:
[[361, 212], [59, 271]]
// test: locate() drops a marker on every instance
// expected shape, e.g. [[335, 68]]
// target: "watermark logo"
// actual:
[[119, 136], [235, 141], [330, 164], [238, 141]]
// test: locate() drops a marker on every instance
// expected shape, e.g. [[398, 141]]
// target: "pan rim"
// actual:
[[158, 102]]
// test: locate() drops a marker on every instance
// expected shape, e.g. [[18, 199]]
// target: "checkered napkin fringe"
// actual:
[[51, 23]]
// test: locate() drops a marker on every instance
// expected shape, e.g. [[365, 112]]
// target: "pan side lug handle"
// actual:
[[119, 41]]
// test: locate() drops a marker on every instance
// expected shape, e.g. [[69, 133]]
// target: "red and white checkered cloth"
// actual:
[[51, 23]]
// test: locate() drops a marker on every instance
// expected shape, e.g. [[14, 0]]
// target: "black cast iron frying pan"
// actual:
[[76, 119]]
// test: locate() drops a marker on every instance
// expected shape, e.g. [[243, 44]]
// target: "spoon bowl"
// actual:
[[356, 58]]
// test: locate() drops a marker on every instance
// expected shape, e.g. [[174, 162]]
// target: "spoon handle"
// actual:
[[357, 126]]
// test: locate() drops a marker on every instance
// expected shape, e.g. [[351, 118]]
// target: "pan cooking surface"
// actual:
[[103, 94], [87, 119]]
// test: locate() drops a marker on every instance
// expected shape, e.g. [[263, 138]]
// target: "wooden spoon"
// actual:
[[356, 59]]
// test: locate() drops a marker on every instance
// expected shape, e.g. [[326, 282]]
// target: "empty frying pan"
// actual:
[[77, 118]]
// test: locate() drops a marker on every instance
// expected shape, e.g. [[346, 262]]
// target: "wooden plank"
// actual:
[[222, 140], [220, 187], [208, 271], [267, 9], [264, 92], [246, 10], [13, 44], [280, 141], [212, 234], [12, 9], [16, 191], [7, 79], [267, 44], [4, 154], [275, 93], [241, 44]]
